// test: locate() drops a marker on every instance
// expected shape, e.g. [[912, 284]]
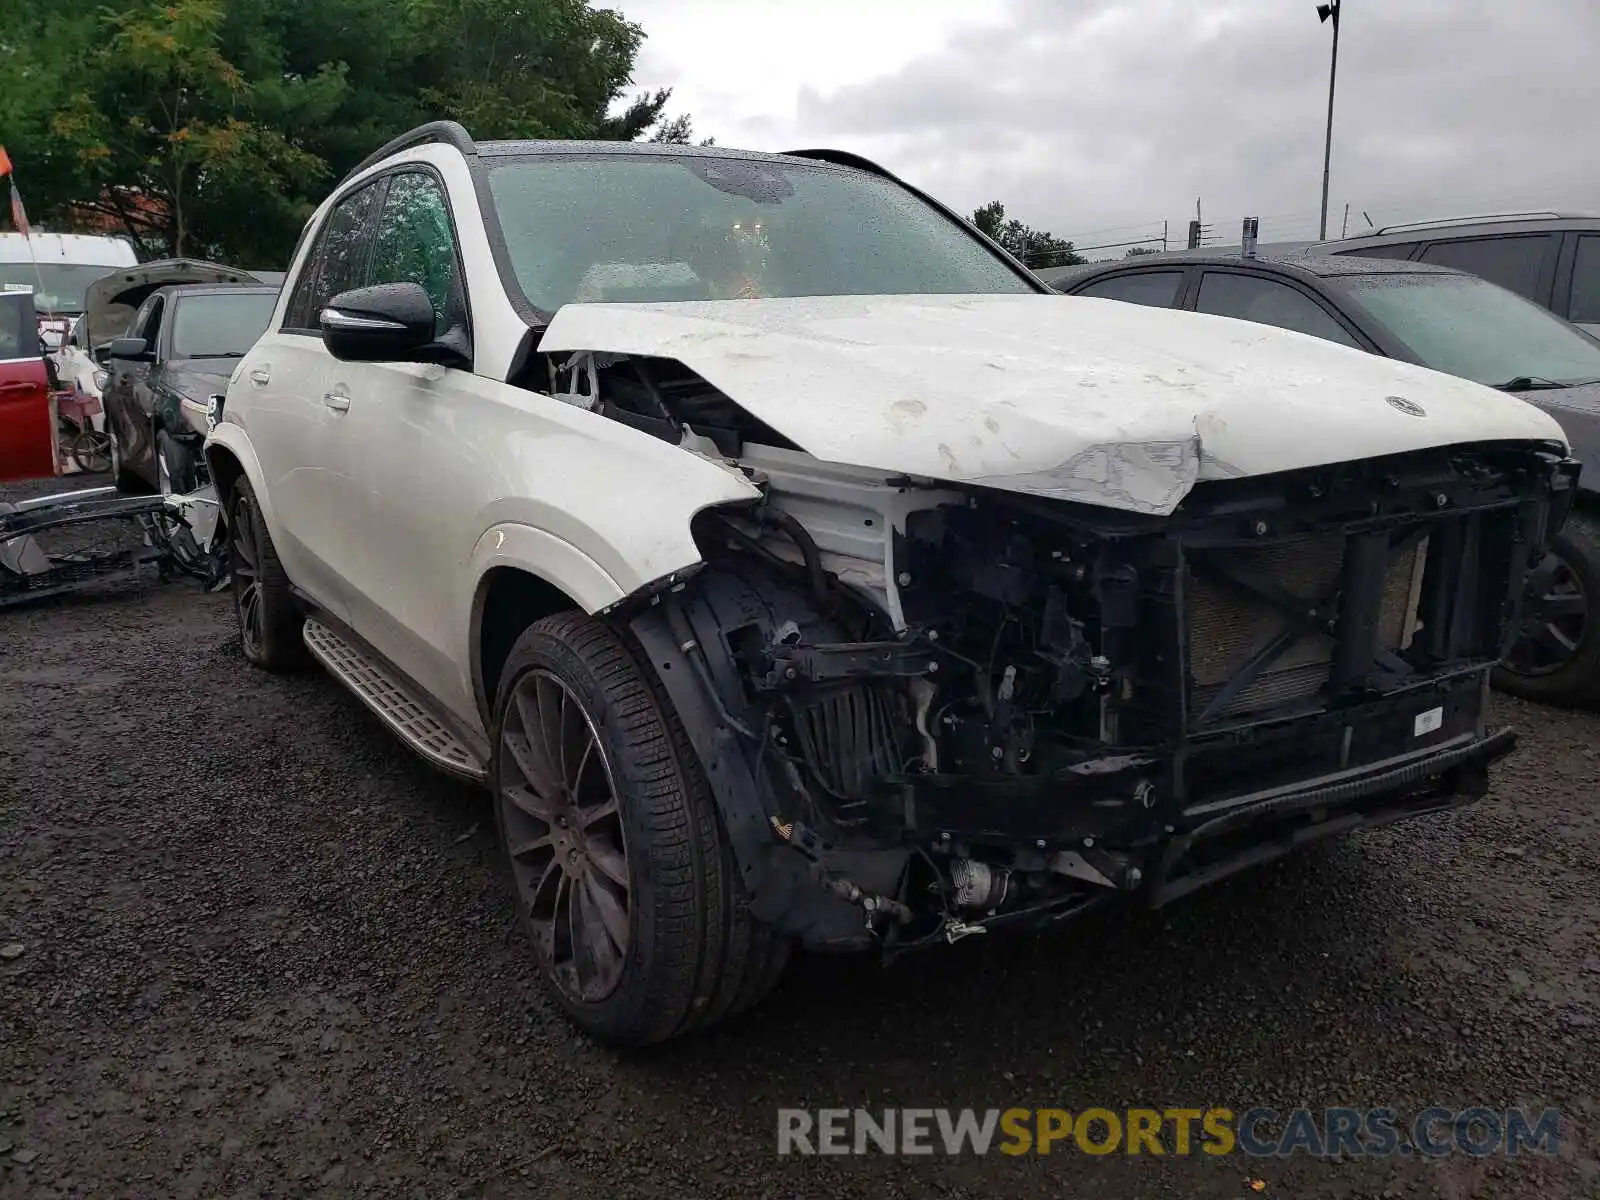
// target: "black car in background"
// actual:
[[1453, 322], [180, 348]]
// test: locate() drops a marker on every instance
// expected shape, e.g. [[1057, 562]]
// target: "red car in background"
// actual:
[[27, 439]]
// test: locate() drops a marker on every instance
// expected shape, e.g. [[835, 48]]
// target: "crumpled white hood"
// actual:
[[1096, 401]]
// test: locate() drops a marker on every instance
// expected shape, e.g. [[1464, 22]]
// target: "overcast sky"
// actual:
[[1084, 115]]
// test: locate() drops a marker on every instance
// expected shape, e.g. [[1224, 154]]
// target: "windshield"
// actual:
[[614, 228], [220, 324], [57, 287], [1466, 326]]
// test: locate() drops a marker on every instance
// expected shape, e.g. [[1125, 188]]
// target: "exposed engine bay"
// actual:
[[927, 710]]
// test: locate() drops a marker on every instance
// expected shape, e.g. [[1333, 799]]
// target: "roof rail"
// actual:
[[1442, 222], [451, 133]]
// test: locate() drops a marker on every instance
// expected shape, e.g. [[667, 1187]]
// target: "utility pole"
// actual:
[[1326, 12], [1344, 230]]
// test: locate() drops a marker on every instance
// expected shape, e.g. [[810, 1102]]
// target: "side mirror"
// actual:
[[101, 353], [135, 348], [388, 322]]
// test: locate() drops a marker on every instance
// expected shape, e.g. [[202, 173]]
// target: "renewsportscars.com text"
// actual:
[[1257, 1132]]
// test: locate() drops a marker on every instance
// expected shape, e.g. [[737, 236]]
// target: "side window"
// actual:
[[1585, 305], [1267, 302], [1402, 251], [415, 243], [1512, 262], [19, 335], [336, 260], [148, 323], [1158, 289]]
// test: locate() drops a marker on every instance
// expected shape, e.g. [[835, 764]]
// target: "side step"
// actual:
[[394, 700]]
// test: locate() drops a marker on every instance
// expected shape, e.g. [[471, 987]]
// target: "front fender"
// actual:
[[542, 554], [536, 552], [232, 439]]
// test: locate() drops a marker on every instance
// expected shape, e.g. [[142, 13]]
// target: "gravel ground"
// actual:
[[265, 953]]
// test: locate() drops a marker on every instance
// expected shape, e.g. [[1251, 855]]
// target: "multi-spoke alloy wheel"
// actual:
[[564, 835], [270, 623], [246, 582], [1556, 655], [1555, 617], [623, 879]]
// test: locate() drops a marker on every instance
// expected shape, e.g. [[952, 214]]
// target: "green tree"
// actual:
[[678, 131], [1035, 247], [213, 127], [169, 129], [1137, 251]]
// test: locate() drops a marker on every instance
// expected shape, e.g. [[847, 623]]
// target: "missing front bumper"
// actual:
[[1257, 828]]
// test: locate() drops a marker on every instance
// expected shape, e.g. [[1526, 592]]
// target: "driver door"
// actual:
[[127, 395], [401, 465]]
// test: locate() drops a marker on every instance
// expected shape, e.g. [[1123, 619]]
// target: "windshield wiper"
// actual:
[[1529, 383]]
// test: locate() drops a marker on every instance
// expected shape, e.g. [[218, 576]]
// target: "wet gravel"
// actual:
[[264, 953]]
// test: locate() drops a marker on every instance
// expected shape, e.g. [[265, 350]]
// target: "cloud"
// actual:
[[1102, 113]]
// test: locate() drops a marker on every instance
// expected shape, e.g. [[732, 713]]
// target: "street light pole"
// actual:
[[1325, 12]]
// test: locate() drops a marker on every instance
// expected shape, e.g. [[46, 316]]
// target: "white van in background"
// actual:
[[58, 269]]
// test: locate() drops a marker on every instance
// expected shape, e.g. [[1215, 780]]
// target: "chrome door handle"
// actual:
[[261, 376], [337, 401]]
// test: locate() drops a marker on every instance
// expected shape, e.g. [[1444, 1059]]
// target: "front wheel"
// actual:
[[1556, 657], [269, 623], [623, 878]]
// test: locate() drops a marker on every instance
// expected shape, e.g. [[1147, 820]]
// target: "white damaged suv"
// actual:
[[794, 567]]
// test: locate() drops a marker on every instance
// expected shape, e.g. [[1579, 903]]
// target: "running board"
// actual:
[[395, 702]]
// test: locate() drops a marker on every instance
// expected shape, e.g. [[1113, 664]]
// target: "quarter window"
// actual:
[[415, 243], [1157, 289], [336, 261], [1512, 262], [1267, 302]]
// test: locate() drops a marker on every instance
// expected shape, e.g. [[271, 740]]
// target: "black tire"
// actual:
[[270, 624], [694, 956], [180, 462], [1572, 678]]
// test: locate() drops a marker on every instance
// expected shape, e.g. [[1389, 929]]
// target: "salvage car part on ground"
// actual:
[[901, 603], [76, 541]]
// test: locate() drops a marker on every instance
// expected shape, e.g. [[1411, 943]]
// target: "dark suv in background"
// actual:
[[1550, 258], [1450, 321]]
